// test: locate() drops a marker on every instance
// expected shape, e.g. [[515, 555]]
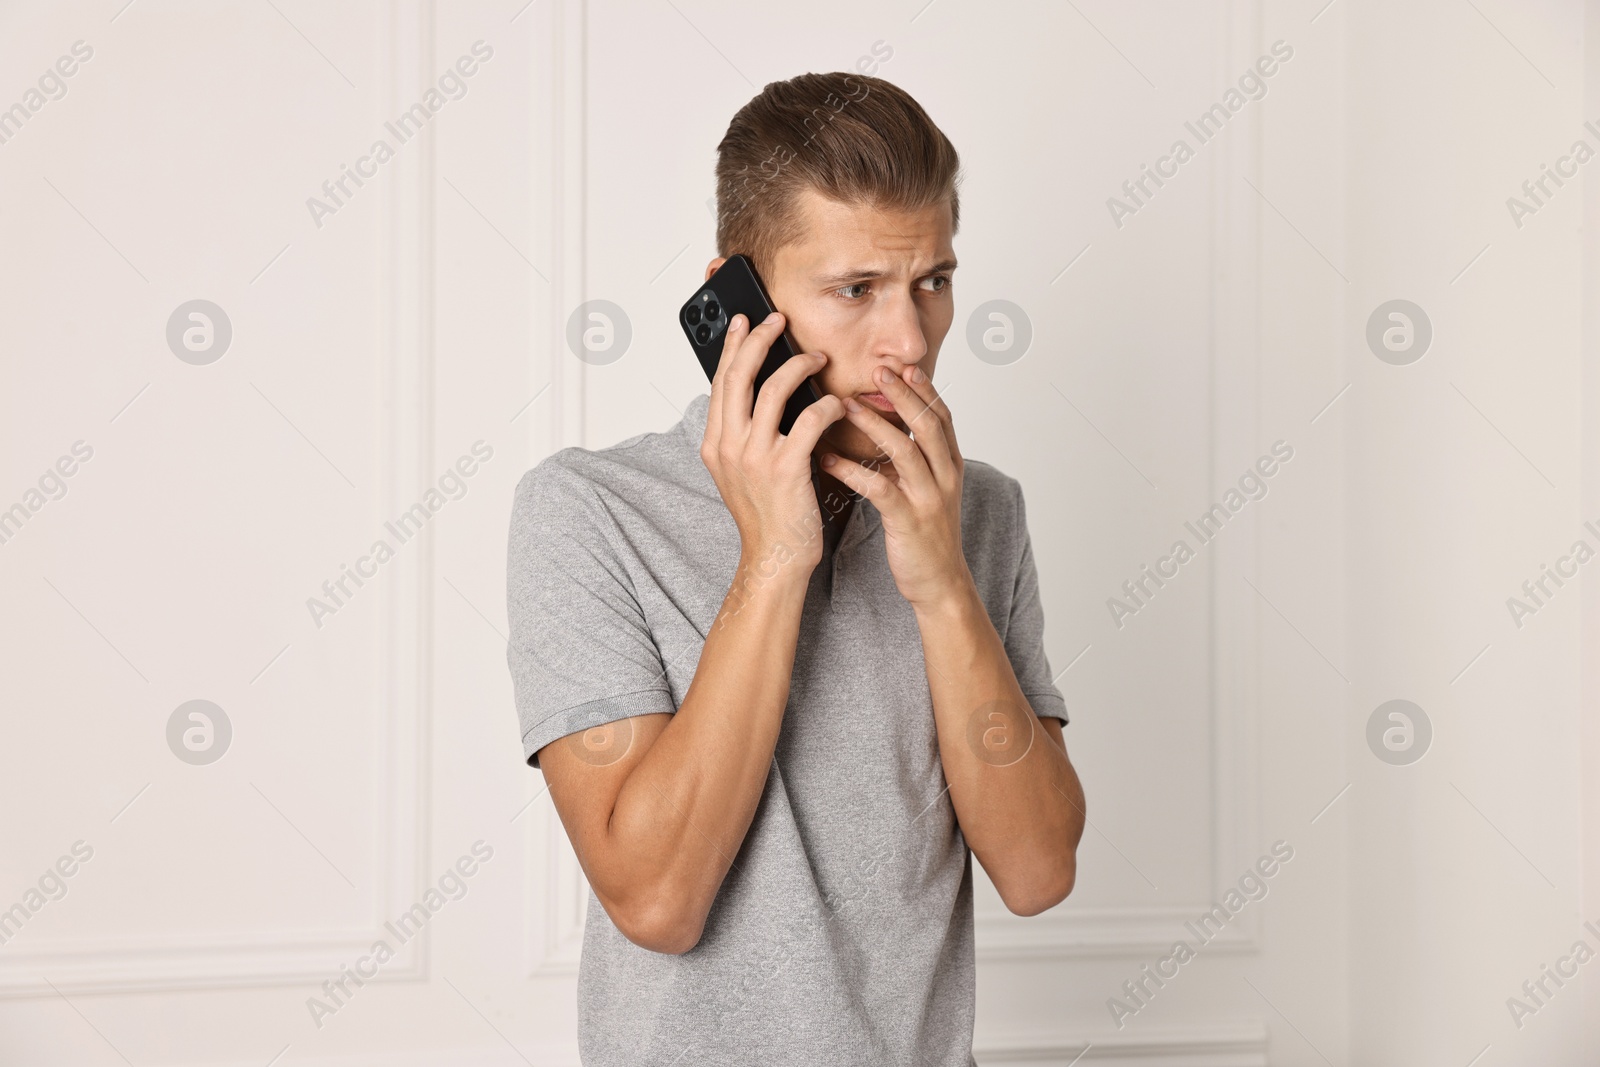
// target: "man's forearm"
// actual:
[[1016, 796], [683, 812]]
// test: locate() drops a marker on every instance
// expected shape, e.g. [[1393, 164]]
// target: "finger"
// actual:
[[736, 327], [935, 401], [907, 458], [885, 495], [744, 356], [813, 422], [777, 389], [918, 406]]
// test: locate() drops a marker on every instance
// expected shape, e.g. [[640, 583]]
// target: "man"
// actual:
[[780, 685]]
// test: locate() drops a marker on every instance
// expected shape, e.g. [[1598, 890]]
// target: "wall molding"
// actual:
[[1219, 1045], [1238, 1045], [1067, 933], [1088, 933], [554, 918], [404, 667]]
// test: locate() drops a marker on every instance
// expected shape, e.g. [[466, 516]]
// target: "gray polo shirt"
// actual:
[[843, 932]]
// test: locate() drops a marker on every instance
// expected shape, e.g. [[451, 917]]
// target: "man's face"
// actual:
[[868, 287]]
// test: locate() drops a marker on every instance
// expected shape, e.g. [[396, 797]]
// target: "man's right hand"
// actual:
[[763, 476], [656, 824]]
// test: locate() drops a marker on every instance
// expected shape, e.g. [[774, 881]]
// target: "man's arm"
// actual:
[[657, 828], [1018, 800]]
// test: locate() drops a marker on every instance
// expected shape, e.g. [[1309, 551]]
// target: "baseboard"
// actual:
[[1231, 1045]]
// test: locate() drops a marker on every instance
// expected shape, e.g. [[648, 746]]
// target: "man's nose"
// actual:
[[900, 335]]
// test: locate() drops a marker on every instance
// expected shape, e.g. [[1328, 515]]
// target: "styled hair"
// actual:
[[853, 138]]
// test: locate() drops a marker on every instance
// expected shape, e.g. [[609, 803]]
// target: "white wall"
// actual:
[[1169, 352], [1466, 473]]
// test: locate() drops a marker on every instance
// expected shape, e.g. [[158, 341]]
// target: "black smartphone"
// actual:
[[736, 289]]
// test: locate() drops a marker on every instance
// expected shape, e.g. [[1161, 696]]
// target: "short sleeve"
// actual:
[[1025, 631], [580, 650]]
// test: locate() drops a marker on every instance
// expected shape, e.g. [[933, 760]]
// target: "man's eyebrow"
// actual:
[[848, 276]]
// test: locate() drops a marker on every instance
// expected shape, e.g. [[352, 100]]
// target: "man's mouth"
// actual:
[[879, 401]]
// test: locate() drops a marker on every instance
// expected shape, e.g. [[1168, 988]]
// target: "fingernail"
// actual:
[[917, 375], [852, 403], [774, 317], [881, 376], [829, 460]]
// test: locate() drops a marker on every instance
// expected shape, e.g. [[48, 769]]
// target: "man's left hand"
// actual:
[[921, 502]]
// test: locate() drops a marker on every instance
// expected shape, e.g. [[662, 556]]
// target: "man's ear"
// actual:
[[714, 266]]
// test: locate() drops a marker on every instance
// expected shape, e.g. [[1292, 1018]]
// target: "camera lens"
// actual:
[[702, 333], [693, 315], [713, 310]]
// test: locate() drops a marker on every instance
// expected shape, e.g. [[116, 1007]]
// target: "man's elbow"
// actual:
[[1042, 893], [660, 929]]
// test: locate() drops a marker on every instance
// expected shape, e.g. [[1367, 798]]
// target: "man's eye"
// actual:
[[848, 289], [943, 279]]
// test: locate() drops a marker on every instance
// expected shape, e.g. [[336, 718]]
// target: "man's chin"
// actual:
[[874, 464], [855, 447], [852, 443]]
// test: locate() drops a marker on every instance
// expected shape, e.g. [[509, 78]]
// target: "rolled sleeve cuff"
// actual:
[[594, 713], [1048, 705]]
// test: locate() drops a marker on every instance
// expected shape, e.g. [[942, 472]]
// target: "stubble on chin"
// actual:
[[854, 445]]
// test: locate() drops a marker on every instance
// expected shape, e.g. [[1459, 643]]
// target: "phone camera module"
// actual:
[[704, 317]]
